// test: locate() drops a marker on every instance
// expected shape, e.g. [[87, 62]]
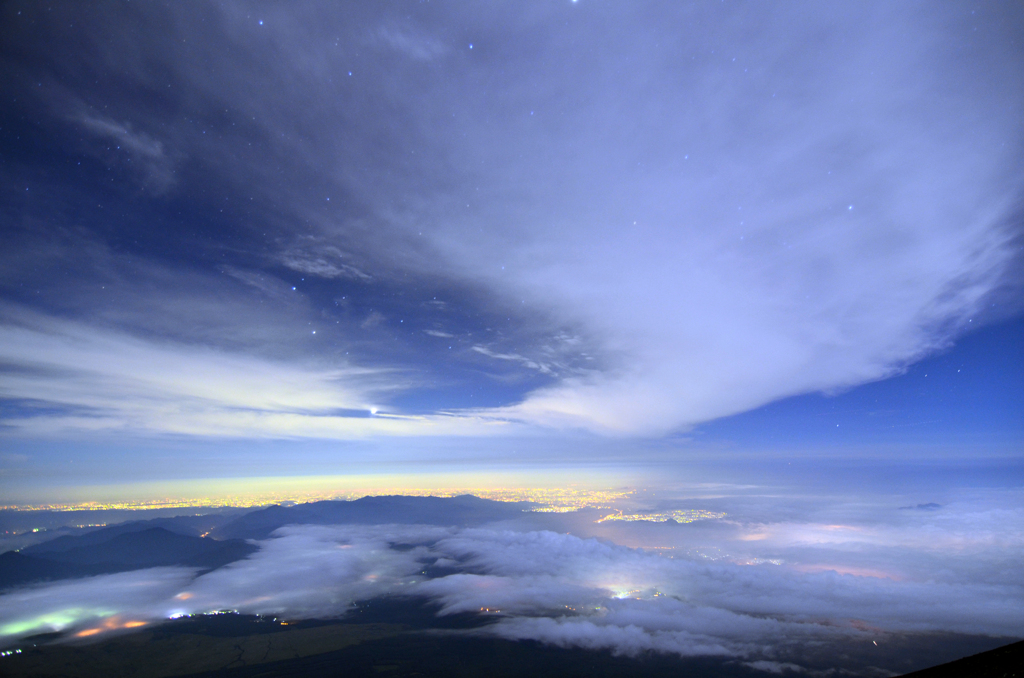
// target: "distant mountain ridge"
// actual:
[[113, 550], [463, 510], [174, 541], [192, 526]]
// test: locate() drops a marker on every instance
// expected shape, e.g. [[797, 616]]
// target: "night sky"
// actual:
[[264, 239], [757, 266]]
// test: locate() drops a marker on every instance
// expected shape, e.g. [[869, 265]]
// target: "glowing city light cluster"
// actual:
[[685, 516], [557, 500], [550, 500], [228, 501], [56, 621]]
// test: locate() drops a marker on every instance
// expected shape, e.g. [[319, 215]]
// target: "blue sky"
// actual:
[[969, 396], [952, 419], [249, 240]]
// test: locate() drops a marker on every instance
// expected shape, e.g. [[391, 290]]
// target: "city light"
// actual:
[[685, 516], [547, 500]]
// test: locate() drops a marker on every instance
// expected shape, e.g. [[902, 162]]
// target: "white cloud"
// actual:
[[108, 600], [628, 639], [515, 357], [312, 571], [418, 47], [556, 588], [374, 319], [727, 206], [93, 379], [149, 156], [774, 667], [815, 213], [325, 262]]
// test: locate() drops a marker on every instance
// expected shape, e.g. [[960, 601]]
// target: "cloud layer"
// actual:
[[70, 377], [720, 206], [801, 209], [583, 592]]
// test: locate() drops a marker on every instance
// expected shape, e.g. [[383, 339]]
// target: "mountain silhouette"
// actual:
[[464, 510], [119, 552], [173, 541]]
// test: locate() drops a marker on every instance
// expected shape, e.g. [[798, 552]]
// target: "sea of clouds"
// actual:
[[937, 568]]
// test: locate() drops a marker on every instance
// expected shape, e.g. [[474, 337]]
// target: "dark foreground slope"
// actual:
[[241, 646], [394, 636], [448, 656], [443, 655], [1002, 662]]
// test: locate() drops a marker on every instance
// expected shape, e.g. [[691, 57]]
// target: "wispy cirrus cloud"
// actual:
[[418, 47], [74, 377], [727, 207], [796, 214], [764, 205], [132, 149], [325, 262]]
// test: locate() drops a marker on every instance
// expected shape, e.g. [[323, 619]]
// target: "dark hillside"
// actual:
[[152, 547], [1002, 662], [186, 525]]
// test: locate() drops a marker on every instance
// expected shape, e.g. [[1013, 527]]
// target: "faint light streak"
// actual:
[[847, 569]]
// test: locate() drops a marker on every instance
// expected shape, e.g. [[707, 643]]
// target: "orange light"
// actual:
[[183, 596], [134, 624], [88, 632]]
